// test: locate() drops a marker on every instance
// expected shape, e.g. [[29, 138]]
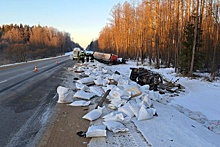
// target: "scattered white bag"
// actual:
[[85, 80], [81, 86], [115, 126], [146, 113], [116, 117], [126, 95], [115, 93], [83, 95], [154, 95], [96, 131], [105, 71], [138, 101], [119, 117], [134, 108], [116, 77], [88, 72], [94, 114], [113, 107], [126, 110], [97, 90], [112, 87], [123, 81], [105, 82], [64, 94], [117, 102], [80, 103], [98, 82], [135, 90], [111, 114], [120, 93], [146, 100]]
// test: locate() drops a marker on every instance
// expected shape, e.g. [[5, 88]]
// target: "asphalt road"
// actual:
[[27, 99]]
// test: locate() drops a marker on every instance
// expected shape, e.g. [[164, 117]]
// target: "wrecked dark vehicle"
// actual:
[[155, 81], [146, 77]]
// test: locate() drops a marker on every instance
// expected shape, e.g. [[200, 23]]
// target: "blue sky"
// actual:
[[83, 19]]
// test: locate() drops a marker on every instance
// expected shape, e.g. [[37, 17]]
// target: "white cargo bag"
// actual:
[[126, 110], [134, 108], [85, 80], [94, 114], [96, 131], [97, 90], [154, 95], [146, 113], [81, 86], [115, 126], [83, 95], [65, 95], [80, 103]]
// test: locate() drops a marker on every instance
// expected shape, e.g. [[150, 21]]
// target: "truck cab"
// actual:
[[76, 52]]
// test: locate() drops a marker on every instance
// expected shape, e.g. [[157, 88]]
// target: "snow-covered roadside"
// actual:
[[200, 101], [170, 127]]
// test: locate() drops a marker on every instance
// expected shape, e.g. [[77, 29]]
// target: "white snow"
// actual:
[[201, 96]]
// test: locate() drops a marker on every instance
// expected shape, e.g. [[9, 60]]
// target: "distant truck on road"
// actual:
[[76, 52]]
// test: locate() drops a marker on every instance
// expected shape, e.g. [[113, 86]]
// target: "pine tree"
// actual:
[[186, 52]]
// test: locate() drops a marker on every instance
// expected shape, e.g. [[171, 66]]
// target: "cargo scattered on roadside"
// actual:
[[119, 107], [113, 98]]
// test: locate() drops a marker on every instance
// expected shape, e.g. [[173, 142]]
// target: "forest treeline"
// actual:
[[180, 33], [19, 43]]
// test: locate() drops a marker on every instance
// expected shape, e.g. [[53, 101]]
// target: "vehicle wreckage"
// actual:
[[155, 81]]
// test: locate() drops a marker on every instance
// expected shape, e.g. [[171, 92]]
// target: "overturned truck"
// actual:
[[108, 58]]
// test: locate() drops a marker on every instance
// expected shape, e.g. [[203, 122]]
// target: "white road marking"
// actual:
[[3, 81]]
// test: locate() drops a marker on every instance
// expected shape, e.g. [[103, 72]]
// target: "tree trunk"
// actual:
[[194, 40], [214, 66]]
